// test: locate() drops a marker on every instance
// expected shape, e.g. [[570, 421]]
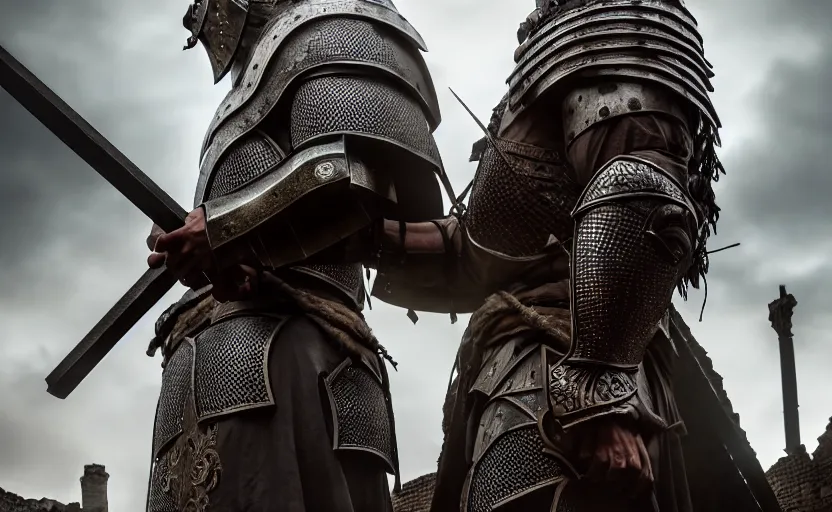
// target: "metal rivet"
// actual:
[[324, 170]]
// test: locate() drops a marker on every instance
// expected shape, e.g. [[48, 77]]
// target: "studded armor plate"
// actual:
[[651, 40], [360, 412], [513, 211], [231, 366], [176, 386], [348, 37]]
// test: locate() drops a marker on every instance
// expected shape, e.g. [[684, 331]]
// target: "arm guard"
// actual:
[[635, 230], [335, 106]]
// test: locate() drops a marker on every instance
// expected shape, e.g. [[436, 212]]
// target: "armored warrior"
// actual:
[[591, 203], [274, 391]]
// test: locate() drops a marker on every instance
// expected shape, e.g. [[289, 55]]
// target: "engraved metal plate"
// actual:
[[176, 385], [361, 416]]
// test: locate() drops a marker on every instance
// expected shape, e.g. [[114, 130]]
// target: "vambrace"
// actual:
[[287, 201], [635, 230]]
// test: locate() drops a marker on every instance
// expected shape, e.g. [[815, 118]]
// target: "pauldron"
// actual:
[[337, 68], [646, 41], [636, 231]]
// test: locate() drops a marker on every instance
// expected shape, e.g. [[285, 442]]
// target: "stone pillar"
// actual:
[[94, 488], [780, 316]]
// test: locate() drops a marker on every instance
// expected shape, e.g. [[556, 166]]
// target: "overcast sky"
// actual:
[[70, 246]]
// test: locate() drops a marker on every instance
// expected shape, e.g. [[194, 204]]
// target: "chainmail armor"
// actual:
[[248, 159], [159, 500], [231, 368], [615, 264], [362, 417], [176, 385], [364, 108], [347, 278], [514, 463], [629, 177], [514, 210]]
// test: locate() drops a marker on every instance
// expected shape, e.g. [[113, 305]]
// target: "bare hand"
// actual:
[[185, 251], [155, 233], [617, 456]]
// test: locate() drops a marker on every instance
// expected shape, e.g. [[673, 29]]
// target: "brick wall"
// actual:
[[803, 483]]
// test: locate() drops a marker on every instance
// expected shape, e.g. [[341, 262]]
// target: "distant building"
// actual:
[[93, 496], [803, 483]]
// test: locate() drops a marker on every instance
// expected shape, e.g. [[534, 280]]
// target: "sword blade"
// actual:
[[133, 184]]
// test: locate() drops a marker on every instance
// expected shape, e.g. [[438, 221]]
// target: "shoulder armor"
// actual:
[[647, 40], [586, 105], [369, 37]]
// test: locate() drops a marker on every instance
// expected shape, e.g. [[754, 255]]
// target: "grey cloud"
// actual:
[[76, 244], [775, 201], [71, 245]]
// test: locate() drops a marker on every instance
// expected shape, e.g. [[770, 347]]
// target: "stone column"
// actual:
[[94, 488], [780, 316]]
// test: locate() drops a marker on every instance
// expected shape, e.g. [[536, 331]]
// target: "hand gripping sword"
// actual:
[[133, 184]]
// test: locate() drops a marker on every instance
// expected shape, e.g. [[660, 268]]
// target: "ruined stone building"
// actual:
[[93, 496], [803, 483]]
